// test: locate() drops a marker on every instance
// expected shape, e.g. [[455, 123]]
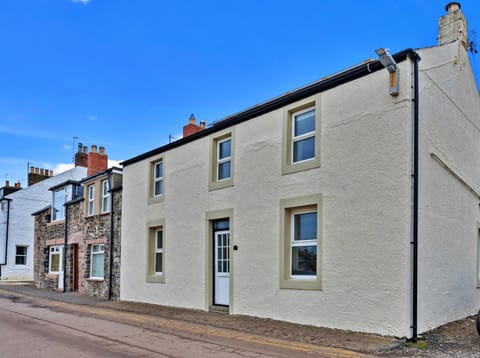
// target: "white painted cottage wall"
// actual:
[[21, 229], [366, 186], [449, 213]]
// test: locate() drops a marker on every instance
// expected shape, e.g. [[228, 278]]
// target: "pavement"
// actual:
[[359, 342]]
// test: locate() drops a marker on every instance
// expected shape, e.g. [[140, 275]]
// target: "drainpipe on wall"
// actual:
[[416, 58], [65, 240], [110, 283], [6, 235]]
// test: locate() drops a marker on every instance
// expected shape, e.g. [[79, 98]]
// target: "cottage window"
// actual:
[[59, 198], [55, 259], [159, 252], [21, 255], [156, 252], [301, 136], [301, 243], [222, 149], [158, 178], [224, 159], [91, 199], [105, 196], [97, 261]]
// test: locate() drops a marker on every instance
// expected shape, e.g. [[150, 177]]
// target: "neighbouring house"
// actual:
[[350, 203], [77, 237], [16, 222]]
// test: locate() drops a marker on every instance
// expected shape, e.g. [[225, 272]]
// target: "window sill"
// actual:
[[300, 166], [301, 284], [156, 278], [156, 199], [216, 185], [52, 275], [95, 279]]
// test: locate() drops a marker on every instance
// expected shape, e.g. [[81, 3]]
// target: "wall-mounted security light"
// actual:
[[389, 63]]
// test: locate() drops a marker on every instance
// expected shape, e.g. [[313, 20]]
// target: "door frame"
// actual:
[[210, 218]]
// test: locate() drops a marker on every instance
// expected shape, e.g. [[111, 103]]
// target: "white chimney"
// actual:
[[453, 26]]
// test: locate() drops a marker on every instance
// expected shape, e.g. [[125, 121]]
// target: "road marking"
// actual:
[[192, 328]]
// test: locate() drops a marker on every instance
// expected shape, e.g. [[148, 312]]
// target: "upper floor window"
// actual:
[[105, 196], [158, 178], [303, 135], [59, 198], [224, 159], [91, 199]]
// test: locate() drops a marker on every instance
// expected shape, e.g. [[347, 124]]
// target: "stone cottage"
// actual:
[[78, 249]]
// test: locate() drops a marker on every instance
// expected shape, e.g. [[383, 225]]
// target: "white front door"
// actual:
[[222, 268]]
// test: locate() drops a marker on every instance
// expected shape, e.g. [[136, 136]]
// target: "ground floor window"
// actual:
[[156, 252], [301, 243], [21, 255], [98, 261], [55, 259]]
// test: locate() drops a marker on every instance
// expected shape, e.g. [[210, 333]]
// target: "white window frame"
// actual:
[[224, 160], [55, 250], [105, 196], [300, 243], [91, 200], [24, 256], [93, 253], [159, 178], [61, 212], [303, 136], [158, 250]]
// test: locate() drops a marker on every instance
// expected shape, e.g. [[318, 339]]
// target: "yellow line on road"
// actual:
[[194, 328]]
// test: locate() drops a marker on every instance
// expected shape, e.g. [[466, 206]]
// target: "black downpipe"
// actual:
[[414, 242], [6, 235], [65, 250], [110, 283]]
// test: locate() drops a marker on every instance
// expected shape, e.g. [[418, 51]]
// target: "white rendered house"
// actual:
[[17, 224], [350, 203]]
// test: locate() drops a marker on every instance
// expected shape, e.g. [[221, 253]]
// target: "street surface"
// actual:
[[36, 327]]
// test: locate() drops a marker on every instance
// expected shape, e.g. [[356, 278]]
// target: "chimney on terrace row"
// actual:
[[36, 175], [191, 127], [81, 157], [453, 26], [8, 189], [97, 161]]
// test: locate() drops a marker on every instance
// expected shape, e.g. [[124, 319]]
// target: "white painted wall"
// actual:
[[21, 229], [366, 186], [449, 213]]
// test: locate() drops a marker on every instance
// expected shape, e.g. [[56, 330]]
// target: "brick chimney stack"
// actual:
[[7, 189], [81, 157], [38, 174], [97, 161], [191, 127], [453, 26]]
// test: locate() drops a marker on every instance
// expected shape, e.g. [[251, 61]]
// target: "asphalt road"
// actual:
[[31, 327]]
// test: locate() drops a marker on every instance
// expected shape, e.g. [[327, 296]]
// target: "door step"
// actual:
[[218, 309]]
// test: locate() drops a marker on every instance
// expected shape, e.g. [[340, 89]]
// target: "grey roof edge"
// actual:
[[115, 170], [326, 83], [64, 183]]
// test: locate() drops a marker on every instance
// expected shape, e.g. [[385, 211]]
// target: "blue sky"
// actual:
[[127, 74]]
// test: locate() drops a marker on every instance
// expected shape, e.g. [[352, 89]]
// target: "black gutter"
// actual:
[[327, 83], [415, 57], [6, 234]]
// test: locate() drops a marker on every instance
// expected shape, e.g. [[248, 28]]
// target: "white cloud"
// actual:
[[92, 118], [84, 2], [66, 147]]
